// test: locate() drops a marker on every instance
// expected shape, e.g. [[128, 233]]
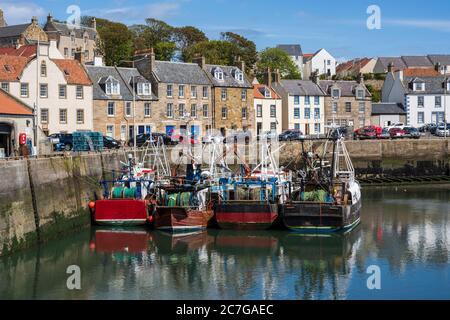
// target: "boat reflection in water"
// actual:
[[114, 240]]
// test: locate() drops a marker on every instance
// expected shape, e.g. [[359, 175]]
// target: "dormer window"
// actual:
[[359, 93], [112, 87], [419, 86], [267, 93], [239, 76], [336, 93], [144, 89], [218, 74], [7, 68]]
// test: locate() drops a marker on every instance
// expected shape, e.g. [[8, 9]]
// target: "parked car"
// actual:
[[367, 132], [143, 138], [443, 131], [399, 125], [289, 135], [111, 143], [397, 133], [61, 141], [384, 134], [428, 127], [177, 138], [411, 132], [435, 128]]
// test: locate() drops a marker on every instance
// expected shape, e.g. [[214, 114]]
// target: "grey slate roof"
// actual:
[[291, 49], [228, 77], [443, 59], [12, 31], [64, 30], [433, 85], [396, 61], [180, 73], [299, 88], [417, 61], [97, 73], [387, 108], [347, 87]]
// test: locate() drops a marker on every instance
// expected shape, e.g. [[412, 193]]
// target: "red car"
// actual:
[[397, 133], [368, 132]]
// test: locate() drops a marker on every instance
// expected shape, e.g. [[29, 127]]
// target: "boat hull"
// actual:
[[181, 219], [247, 216], [311, 218], [120, 212]]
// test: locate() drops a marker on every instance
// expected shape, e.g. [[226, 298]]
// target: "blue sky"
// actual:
[[411, 27]]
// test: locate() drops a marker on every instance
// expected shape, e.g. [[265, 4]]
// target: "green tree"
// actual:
[[274, 59], [188, 36], [116, 41], [246, 48], [157, 31], [215, 52], [376, 94], [165, 51]]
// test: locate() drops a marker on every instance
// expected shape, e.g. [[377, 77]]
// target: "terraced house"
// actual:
[[58, 88], [303, 105], [183, 91], [123, 102], [21, 34], [347, 103], [232, 96]]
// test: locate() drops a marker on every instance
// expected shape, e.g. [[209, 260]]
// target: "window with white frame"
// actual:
[[244, 113], [362, 107], [24, 90], [193, 110], [205, 111], [147, 109], [181, 110], [181, 91], [316, 127], [420, 101], [296, 100], [80, 92], [128, 109], [169, 110], [169, 92], [43, 90], [224, 93], [259, 110], [110, 131], [239, 76], [144, 89], [316, 100], [63, 116], [360, 94], [224, 112], [334, 107], [205, 92], [5, 86], [44, 115], [112, 87], [296, 113], [43, 69], [267, 93], [307, 100], [420, 117], [244, 94], [336, 93], [273, 111], [437, 101], [419, 86], [316, 113], [80, 116], [218, 74], [62, 91], [111, 109], [273, 126], [194, 92], [307, 113]]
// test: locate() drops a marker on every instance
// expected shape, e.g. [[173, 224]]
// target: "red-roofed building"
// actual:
[[15, 118], [60, 88], [268, 109]]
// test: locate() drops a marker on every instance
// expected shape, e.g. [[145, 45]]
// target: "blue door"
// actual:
[[195, 131], [141, 129], [170, 130]]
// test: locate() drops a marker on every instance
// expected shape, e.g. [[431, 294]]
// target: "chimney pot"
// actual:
[[200, 60], [437, 67], [49, 18], [390, 67]]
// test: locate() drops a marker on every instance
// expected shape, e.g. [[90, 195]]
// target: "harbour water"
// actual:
[[405, 231]]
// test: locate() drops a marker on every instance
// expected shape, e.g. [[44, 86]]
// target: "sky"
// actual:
[[413, 27]]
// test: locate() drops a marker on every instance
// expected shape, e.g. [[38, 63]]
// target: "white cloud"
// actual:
[[438, 25], [21, 12]]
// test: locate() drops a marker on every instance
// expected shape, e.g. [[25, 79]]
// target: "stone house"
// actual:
[[303, 105], [232, 97], [71, 40], [16, 117], [60, 89], [347, 103], [22, 34], [183, 91], [123, 100]]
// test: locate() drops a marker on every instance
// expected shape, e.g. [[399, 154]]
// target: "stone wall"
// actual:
[[42, 198]]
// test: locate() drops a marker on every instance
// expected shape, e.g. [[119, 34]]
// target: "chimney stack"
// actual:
[[240, 64], [93, 23], [268, 78], [276, 76], [390, 67], [79, 55], [34, 20], [200, 60], [360, 78], [49, 18], [2, 19]]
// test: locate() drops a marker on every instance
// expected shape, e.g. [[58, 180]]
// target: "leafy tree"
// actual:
[[246, 48], [188, 36], [157, 31], [275, 58], [376, 94], [215, 52], [165, 51], [116, 42]]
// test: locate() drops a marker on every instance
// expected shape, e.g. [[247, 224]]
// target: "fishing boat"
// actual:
[[326, 198], [127, 195], [250, 201]]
